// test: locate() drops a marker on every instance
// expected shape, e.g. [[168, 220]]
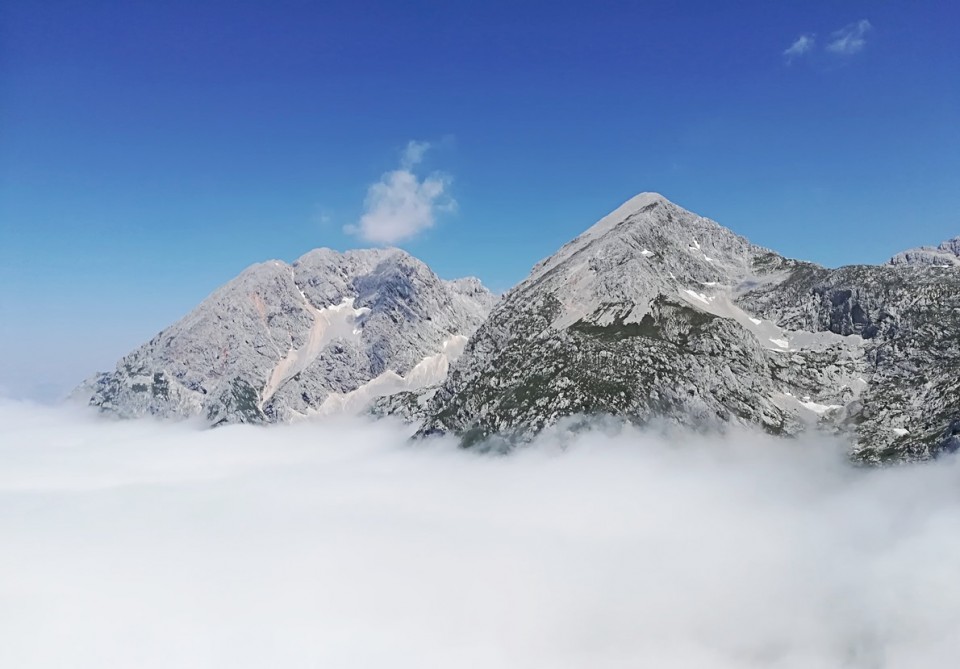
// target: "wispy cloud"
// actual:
[[402, 204], [851, 38], [321, 216], [800, 46], [413, 154]]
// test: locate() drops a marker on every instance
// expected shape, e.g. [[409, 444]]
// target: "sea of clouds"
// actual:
[[341, 544]]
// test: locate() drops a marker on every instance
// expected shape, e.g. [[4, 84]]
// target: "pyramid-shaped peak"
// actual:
[[644, 199], [635, 204], [662, 237], [638, 204]]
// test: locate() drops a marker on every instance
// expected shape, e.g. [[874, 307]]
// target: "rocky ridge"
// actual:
[[652, 315], [946, 254]]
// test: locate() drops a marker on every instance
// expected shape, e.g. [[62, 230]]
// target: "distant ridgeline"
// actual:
[[652, 314]]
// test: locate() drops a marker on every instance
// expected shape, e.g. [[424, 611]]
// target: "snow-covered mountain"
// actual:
[[330, 332], [655, 313]]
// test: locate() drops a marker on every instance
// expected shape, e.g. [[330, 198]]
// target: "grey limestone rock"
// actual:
[[657, 314], [946, 254], [280, 340], [652, 315]]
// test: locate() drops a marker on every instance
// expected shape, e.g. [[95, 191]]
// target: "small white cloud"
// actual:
[[402, 204], [851, 38], [800, 46], [413, 154]]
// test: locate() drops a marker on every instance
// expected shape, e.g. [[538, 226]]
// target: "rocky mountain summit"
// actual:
[[657, 314], [330, 332], [946, 254]]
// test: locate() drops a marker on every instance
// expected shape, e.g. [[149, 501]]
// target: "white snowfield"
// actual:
[[768, 334], [340, 321], [427, 373], [818, 408]]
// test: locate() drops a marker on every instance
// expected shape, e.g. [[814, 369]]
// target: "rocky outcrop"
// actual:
[[947, 254]]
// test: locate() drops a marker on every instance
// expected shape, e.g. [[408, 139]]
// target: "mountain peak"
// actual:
[[946, 254], [657, 314], [331, 330], [637, 204], [651, 236]]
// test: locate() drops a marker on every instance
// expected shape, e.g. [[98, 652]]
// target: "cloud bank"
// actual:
[[134, 544], [402, 204]]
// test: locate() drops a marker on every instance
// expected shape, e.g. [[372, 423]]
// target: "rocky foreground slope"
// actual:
[[655, 314], [329, 332]]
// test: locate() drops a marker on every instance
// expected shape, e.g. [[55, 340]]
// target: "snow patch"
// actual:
[[339, 321], [698, 296], [819, 409], [428, 372]]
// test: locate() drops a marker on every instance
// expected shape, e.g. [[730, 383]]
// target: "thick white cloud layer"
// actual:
[[341, 545]]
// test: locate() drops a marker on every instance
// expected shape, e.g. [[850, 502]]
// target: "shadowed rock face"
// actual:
[[657, 314], [279, 340]]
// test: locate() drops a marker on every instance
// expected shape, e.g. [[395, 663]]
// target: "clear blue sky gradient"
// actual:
[[151, 151]]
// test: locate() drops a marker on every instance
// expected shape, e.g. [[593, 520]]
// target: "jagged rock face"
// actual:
[[655, 313], [281, 341], [947, 254], [909, 317]]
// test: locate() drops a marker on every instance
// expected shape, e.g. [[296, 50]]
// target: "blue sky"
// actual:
[[151, 151]]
